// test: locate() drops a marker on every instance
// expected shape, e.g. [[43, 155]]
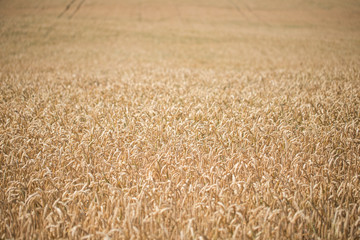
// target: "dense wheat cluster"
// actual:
[[120, 127]]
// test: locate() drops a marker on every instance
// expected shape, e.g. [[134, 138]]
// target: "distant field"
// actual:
[[179, 119]]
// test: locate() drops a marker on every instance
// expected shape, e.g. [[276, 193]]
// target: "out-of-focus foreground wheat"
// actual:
[[212, 120]]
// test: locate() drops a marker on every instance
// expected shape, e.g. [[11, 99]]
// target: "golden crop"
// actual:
[[206, 120]]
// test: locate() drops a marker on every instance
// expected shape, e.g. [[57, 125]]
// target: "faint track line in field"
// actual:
[[255, 15], [238, 10], [66, 8], [51, 28], [77, 9]]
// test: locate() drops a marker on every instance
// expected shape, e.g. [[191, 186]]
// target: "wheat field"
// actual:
[[179, 119]]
